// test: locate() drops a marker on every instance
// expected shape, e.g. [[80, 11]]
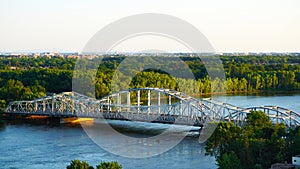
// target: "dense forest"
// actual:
[[30, 78]]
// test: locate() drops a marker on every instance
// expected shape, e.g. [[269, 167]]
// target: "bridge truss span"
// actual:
[[147, 105]]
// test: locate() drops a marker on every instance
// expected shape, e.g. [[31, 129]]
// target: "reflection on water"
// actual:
[[144, 129]]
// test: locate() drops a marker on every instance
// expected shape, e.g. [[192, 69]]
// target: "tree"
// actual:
[[258, 119], [297, 143], [2, 104], [109, 165], [77, 164], [229, 161], [258, 144], [258, 166]]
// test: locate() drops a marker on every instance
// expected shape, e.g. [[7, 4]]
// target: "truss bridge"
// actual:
[[153, 105]]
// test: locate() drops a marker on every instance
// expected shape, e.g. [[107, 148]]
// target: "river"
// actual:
[[29, 146]]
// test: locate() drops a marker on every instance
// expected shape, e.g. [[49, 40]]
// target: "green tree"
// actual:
[[229, 161], [258, 142], [77, 164], [2, 104], [258, 166], [109, 165], [297, 143]]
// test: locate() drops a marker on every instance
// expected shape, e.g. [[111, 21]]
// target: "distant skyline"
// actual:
[[230, 26]]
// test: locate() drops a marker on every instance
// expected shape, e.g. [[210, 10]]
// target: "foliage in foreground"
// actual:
[[256, 145], [77, 164]]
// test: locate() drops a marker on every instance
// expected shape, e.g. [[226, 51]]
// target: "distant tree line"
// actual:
[[29, 78]]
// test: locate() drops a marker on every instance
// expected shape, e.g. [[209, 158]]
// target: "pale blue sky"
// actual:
[[230, 25]]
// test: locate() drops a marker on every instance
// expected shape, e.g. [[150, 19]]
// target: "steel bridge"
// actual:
[[147, 105]]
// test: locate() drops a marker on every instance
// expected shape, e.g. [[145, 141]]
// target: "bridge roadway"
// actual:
[[148, 105]]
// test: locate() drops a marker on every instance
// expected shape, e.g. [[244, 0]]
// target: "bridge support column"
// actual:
[[149, 101], [158, 102], [169, 102], [277, 114], [138, 98], [119, 102], [52, 104], [73, 109], [35, 106], [44, 106], [128, 101], [101, 108], [290, 114], [181, 109], [188, 107], [108, 105]]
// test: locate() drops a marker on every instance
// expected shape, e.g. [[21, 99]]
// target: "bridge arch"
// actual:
[[177, 106]]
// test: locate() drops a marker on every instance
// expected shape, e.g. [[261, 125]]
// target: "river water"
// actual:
[[37, 146]]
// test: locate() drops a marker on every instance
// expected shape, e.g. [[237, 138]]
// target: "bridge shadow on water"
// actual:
[[128, 128], [144, 129]]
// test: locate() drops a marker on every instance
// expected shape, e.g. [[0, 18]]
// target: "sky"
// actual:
[[229, 25]]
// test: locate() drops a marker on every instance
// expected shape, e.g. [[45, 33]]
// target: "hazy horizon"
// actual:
[[133, 52], [230, 26]]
